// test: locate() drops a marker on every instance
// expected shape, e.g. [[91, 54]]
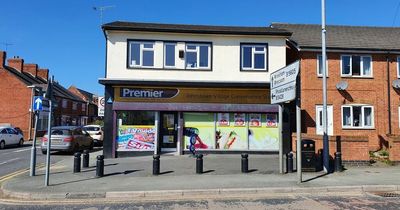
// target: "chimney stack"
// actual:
[[16, 63], [43, 73], [31, 68], [2, 58]]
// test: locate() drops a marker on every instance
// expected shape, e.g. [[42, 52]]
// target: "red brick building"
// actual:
[[91, 103], [363, 102], [15, 110]]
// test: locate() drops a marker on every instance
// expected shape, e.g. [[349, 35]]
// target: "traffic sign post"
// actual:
[[283, 89]]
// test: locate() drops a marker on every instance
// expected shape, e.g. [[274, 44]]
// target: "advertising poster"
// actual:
[[272, 121], [223, 119], [240, 119], [254, 120], [136, 138], [231, 137], [200, 127], [263, 137]]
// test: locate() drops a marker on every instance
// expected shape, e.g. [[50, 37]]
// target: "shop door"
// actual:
[[168, 131], [318, 121]]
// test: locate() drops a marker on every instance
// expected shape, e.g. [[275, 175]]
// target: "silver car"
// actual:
[[10, 136], [67, 138]]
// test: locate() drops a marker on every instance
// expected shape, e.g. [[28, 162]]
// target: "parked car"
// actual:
[[68, 139], [96, 132], [9, 136], [19, 130]]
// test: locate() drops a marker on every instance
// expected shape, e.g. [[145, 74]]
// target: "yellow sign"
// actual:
[[192, 95]]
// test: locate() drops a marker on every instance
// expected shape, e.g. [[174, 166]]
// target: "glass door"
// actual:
[[168, 131]]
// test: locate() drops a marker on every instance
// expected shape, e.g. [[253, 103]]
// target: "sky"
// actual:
[[65, 36]]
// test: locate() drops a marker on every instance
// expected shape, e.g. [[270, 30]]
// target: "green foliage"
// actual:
[[98, 122]]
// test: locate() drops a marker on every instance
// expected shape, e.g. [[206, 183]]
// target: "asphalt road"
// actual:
[[289, 202], [14, 159]]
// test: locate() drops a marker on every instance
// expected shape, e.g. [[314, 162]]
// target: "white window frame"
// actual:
[[253, 52], [197, 50], [398, 66], [141, 49], [351, 66], [165, 53], [363, 106], [74, 105], [64, 103], [327, 69], [83, 107]]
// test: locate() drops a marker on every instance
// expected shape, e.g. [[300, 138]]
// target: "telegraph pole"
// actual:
[[324, 93]]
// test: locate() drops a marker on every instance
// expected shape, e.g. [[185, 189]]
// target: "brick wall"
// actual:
[[369, 91]]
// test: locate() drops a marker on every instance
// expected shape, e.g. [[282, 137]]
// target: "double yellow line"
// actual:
[[19, 172]]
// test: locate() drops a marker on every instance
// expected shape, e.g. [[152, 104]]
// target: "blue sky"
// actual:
[[65, 35]]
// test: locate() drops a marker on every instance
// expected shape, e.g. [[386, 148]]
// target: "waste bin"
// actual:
[[308, 156]]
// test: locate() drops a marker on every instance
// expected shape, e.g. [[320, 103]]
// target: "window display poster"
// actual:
[[223, 119], [263, 137], [199, 127], [231, 137], [272, 121], [136, 138], [254, 120], [240, 119]]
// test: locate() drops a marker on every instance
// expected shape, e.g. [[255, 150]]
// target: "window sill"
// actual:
[[358, 128], [254, 70], [167, 69], [357, 77]]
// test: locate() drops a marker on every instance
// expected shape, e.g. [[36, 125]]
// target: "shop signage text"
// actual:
[[148, 93]]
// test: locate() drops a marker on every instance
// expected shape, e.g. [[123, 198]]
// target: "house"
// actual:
[[179, 88], [91, 104], [17, 80], [362, 87]]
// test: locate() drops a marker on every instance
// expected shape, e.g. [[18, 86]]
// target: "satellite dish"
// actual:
[[342, 85], [396, 83]]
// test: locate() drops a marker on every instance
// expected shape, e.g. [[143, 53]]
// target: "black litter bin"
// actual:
[[308, 156]]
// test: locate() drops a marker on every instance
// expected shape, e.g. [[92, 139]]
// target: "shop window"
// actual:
[[141, 54], [357, 116], [169, 52], [136, 131], [198, 56], [319, 66], [356, 66], [253, 57]]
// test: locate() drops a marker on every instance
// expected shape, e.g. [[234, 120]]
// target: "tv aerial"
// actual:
[[101, 9]]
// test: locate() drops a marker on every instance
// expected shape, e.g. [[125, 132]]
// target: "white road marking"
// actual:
[[8, 161], [21, 150]]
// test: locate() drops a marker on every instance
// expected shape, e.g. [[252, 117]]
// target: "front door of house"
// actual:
[[168, 131], [318, 121]]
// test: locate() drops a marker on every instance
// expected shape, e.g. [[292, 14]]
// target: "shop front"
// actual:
[[179, 120]]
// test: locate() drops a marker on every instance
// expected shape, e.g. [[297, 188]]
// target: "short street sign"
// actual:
[[283, 83], [40, 104]]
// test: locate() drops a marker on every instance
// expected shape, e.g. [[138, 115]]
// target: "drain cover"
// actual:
[[388, 194]]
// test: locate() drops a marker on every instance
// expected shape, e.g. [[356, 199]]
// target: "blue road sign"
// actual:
[[37, 103]]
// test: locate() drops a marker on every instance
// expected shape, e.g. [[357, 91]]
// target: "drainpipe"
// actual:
[[388, 93]]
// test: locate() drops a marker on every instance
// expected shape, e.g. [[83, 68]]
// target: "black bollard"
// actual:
[[289, 162], [85, 159], [100, 166], [199, 164], [338, 162], [245, 163], [156, 164], [77, 162]]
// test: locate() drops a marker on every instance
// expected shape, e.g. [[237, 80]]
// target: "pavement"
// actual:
[[132, 179]]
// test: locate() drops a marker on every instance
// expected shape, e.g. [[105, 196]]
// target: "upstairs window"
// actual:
[[357, 116], [83, 107], [141, 54], [254, 57], [169, 52], [319, 66], [74, 105], [356, 66], [64, 103], [198, 56], [398, 67]]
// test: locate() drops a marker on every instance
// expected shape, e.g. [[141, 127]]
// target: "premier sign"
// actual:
[[147, 93], [283, 83]]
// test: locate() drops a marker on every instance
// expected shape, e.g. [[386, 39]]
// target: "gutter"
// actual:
[[388, 93]]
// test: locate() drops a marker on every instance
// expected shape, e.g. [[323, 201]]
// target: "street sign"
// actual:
[[100, 111], [37, 103], [283, 83]]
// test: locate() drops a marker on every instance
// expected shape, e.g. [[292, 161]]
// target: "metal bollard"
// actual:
[[156, 164], [100, 166], [77, 162], [289, 162], [85, 159], [338, 162], [245, 163], [199, 164]]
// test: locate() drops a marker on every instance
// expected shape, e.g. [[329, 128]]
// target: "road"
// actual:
[[14, 159], [288, 202]]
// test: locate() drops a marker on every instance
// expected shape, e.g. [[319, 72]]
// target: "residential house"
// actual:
[[91, 104]]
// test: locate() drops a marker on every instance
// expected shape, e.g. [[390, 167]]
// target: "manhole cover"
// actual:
[[388, 194]]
